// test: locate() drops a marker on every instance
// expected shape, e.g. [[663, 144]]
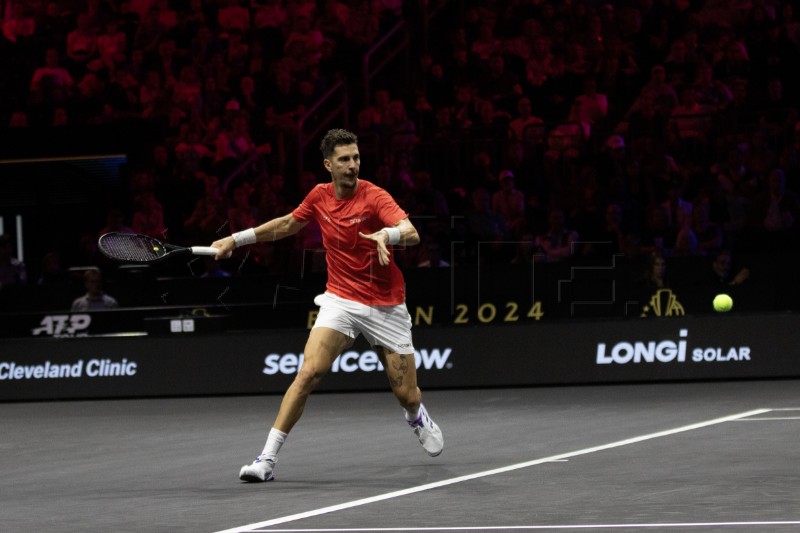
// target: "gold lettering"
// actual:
[[426, 317]]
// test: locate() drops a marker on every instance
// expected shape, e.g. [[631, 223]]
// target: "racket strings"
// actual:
[[129, 247]]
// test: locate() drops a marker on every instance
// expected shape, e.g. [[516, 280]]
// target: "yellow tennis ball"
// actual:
[[723, 303]]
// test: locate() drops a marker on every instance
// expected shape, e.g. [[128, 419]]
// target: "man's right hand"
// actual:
[[225, 247]]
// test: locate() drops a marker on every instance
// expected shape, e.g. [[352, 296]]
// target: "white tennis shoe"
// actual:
[[258, 471], [428, 433]]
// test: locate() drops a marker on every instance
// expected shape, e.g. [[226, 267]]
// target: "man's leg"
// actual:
[[322, 347], [402, 373]]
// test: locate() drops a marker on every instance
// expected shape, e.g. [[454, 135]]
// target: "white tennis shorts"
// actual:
[[382, 325]]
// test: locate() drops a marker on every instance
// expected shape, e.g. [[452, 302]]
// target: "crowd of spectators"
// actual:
[[543, 130]]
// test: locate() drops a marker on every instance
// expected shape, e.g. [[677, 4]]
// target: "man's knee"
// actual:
[[308, 377]]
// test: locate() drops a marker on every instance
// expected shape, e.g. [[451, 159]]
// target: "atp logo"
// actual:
[[63, 325]]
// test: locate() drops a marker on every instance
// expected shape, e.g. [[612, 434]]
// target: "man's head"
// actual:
[[342, 159], [334, 138], [722, 263], [93, 282]]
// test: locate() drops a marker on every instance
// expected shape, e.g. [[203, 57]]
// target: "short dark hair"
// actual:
[[334, 138]]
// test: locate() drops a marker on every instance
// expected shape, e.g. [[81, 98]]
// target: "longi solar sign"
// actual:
[[668, 351]]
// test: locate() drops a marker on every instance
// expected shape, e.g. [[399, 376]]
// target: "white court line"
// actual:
[[573, 526], [768, 418], [485, 473]]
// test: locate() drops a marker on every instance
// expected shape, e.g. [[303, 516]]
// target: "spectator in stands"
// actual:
[[657, 235], [399, 131], [149, 32], [363, 25], [94, 299], [680, 64], [538, 67], [689, 124], [735, 64], [241, 214], [82, 42], [52, 273], [51, 83], [663, 95], [490, 123], [713, 93], [19, 119], [332, 21], [499, 86], [19, 26], [152, 97], [431, 254], [112, 46], [148, 216], [429, 205], [738, 185], [676, 207], [760, 158], [423, 116], [557, 242], [524, 250], [486, 44], [704, 237], [509, 202], [593, 105], [774, 213], [524, 119], [233, 17], [614, 236], [653, 279], [12, 270], [208, 217], [487, 233], [233, 146], [115, 221], [60, 118], [723, 274]]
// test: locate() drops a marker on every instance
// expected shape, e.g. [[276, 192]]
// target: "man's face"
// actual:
[[722, 265], [344, 165]]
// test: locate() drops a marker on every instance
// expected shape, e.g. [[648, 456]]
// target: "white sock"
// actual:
[[275, 440], [411, 415]]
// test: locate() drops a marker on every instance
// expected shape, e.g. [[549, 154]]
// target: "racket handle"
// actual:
[[204, 250]]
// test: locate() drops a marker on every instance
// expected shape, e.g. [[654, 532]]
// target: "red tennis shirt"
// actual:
[[354, 272]]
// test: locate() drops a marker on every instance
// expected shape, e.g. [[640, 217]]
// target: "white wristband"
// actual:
[[242, 238], [394, 235]]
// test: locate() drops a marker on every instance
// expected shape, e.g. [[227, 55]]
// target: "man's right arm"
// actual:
[[275, 229]]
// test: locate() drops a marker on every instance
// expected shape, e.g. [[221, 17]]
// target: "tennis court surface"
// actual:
[[721, 456]]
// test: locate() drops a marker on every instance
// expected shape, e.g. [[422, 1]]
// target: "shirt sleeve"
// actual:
[[387, 209], [305, 211]]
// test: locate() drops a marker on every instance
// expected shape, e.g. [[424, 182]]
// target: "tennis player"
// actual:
[[365, 292]]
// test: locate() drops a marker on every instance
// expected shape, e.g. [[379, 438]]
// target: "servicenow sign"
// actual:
[[354, 361]]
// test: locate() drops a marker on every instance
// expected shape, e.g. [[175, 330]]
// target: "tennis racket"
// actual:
[[135, 248]]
